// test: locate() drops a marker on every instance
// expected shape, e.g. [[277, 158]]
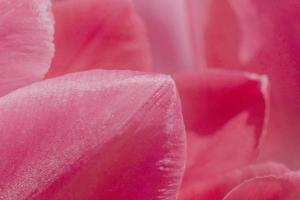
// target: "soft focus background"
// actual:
[[261, 36]]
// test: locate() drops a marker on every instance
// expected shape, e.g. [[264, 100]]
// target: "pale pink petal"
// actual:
[[224, 113], [168, 28], [285, 187], [26, 49], [263, 37], [217, 188], [92, 135], [98, 34], [198, 15]]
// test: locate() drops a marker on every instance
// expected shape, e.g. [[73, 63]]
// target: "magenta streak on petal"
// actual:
[[225, 115], [92, 34]]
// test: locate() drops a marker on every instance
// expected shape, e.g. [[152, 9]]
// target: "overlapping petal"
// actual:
[[225, 114], [219, 187], [92, 135], [98, 34], [262, 37], [284, 187], [26, 46]]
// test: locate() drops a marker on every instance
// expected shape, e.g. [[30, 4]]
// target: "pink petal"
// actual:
[[98, 34], [26, 47], [225, 115], [92, 135], [286, 187], [217, 188], [168, 27], [263, 37], [198, 11]]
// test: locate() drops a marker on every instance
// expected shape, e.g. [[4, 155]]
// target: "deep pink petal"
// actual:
[[263, 37], [92, 135], [285, 187], [217, 188], [98, 34], [168, 28], [26, 49], [224, 113]]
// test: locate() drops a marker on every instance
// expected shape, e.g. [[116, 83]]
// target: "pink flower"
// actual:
[[71, 130], [225, 117], [264, 39], [87, 135]]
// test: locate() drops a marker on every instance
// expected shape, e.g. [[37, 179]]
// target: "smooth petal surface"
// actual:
[[286, 187], [198, 15], [92, 135], [26, 49], [224, 113], [168, 28], [263, 37], [219, 187], [98, 34]]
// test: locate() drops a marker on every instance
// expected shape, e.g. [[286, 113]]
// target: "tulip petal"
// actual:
[[168, 27], [26, 46], [98, 34], [236, 38], [219, 187], [92, 135], [286, 187], [225, 114], [198, 15]]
